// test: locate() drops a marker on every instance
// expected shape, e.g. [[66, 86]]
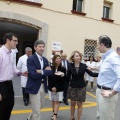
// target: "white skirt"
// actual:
[[55, 96], [89, 78]]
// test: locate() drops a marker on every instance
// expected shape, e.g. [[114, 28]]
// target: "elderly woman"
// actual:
[[77, 88], [56, 84]]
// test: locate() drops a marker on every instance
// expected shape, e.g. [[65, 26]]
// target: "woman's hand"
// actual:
[[62, 74], [54, 89], [59, 73]]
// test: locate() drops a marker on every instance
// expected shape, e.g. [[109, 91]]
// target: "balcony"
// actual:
[[27, 2]]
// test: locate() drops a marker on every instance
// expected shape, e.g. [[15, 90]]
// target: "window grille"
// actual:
[[90, 48]]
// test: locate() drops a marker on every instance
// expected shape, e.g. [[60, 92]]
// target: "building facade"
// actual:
[[76, 24]]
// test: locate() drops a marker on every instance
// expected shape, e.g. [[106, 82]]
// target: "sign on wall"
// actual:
[[56, 46]]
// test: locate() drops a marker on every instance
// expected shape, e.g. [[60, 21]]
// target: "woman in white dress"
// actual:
[[90, 63]]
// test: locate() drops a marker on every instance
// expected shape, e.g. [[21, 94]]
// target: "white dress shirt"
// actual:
[[109, 74], [64, 64], [22, 66], [40, 60]]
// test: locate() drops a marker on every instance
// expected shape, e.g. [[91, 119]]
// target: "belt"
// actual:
[[6, 81], [104, 88]]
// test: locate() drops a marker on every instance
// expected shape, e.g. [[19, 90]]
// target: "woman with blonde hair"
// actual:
[[77, 88]]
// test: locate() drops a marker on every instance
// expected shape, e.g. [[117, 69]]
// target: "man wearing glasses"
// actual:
[[7, 72]]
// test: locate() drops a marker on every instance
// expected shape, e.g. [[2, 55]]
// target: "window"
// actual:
[[106, 12], [77, 5], [90, 48]]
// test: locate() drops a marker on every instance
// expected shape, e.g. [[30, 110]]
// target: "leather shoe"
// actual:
[[66, 102], [26, 103]]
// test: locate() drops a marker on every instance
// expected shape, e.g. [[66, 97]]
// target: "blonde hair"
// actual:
[[72, 55]]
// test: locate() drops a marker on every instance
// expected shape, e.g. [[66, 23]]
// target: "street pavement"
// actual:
[[21, 112]]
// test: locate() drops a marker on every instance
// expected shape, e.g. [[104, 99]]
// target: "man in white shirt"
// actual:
[[22, 66], [108, 81]]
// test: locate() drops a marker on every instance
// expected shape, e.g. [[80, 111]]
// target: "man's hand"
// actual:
[[106, 93], [54, 89], [0, 97], [25, 73], [39, 71], [48, 68]]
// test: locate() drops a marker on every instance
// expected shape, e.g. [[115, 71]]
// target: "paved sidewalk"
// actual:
[[21, 112]]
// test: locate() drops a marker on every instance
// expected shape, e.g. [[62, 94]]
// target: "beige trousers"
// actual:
[[106, 105], [37, 102]]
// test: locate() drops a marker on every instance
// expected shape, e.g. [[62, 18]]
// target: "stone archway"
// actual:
[[27, 21]]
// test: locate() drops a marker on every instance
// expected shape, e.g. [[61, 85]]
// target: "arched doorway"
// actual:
[[28, 29]]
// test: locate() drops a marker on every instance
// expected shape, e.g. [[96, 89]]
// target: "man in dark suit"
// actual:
[[38, 69], [65, 64]]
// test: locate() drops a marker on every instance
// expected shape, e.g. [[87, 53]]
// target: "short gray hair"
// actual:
[[28, 49], [37, 42]]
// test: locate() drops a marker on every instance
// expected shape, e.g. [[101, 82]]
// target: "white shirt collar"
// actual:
[[40, 57]]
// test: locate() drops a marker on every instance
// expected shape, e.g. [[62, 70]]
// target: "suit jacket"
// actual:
[[77, 78], [34, 78]]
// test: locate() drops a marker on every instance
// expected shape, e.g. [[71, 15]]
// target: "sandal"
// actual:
[[52, 117], [55, 115]]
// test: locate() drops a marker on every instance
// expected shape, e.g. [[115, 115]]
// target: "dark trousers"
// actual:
[[65, 91], [7, 103], [25, 95]]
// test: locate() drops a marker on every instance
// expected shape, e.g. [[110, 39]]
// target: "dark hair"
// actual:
[[90, 57], [105, 40], [0, 43], [61, 51], [37, 42], [53, 62], [53, 53], [8, 36]]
